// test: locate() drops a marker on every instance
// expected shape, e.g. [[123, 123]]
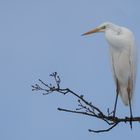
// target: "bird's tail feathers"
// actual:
[[124, 95]]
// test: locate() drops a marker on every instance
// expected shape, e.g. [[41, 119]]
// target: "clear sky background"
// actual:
[[38, 37]]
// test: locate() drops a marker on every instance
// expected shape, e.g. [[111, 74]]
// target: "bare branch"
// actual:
[[84, 107], [104, 130]]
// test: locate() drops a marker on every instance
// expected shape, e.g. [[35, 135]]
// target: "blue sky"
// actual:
[[42, 36]]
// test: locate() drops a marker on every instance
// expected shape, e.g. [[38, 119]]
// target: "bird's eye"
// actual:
[[103, 27]]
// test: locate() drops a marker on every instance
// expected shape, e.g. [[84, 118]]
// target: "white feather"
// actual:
[[122, 50]]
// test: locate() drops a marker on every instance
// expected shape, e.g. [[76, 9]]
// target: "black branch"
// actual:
[[84, 107]]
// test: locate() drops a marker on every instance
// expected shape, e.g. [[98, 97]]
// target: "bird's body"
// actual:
[[123, 58]]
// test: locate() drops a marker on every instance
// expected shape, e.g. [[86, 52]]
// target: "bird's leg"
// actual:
[[130, 107], [117, 93], [114, 111], [131, 116]]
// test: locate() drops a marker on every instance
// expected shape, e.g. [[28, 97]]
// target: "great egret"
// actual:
[[123, 58]]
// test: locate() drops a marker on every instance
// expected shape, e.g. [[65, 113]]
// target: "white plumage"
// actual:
[[123, 57]]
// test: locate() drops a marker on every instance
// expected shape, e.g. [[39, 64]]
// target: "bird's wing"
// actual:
[[113, 69], [133, 64], [124, 71]]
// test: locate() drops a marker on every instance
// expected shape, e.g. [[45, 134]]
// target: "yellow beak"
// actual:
[[92, 31]]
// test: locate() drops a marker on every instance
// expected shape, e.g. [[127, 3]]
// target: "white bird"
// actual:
[[123, 59]]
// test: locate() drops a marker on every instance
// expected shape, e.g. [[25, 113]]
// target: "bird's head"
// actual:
[[101, 28]]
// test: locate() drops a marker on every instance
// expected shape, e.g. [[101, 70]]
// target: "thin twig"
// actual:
[[104, 130]]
